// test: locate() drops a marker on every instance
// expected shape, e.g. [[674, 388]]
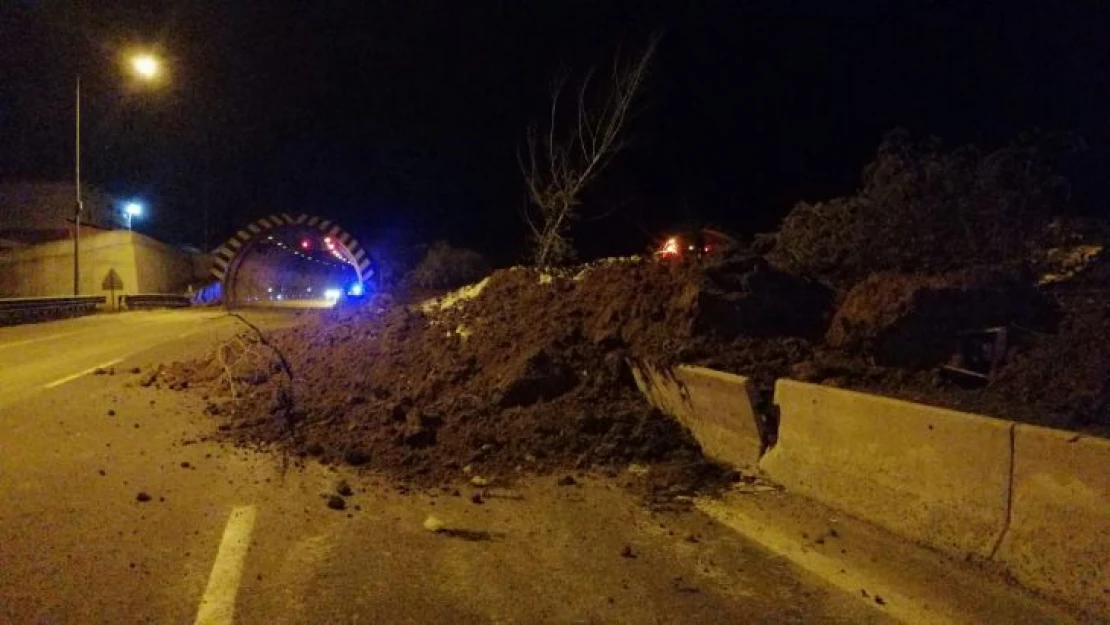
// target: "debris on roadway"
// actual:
[[529, 371]]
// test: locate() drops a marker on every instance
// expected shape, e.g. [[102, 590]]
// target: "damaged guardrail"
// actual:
[[30, 309]]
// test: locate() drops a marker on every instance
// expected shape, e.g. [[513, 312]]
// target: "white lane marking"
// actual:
[[70, 378], [217, 607], [898, 605], [38, 340]]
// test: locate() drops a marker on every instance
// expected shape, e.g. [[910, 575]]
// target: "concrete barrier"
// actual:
[[933, 475], [717, 407], [1059, 534]]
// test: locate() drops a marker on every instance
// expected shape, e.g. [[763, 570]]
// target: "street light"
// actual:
[[145, 66], [132, 209]]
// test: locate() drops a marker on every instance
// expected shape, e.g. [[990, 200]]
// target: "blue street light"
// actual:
[[132, 209]]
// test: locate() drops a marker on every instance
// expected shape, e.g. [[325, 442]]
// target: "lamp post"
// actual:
[[145, 67], [132, 209]]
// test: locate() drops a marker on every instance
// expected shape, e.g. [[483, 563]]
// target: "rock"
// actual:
[[433, 524], [420, 429], [314, 449], [136, 370], [335, 502], [111, 413], [148, 379], [477, 498], [627, 552], [567, 480], [344, 489], [143, 497], [912, 321], [744, 294], [185, 465], [356, 457], [541, 375]]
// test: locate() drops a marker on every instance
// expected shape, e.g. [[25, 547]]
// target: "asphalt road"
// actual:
[[234, 536]]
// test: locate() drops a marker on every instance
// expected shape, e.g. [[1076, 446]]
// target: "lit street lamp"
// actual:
[[132, 209], [145, 67]]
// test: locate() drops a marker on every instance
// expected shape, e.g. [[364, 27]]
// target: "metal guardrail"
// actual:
[[30, 309], [143, 301]]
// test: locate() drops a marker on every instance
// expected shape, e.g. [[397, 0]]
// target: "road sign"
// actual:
[[112, 282]]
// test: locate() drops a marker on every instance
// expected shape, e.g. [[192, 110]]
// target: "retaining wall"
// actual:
[[142, 264]]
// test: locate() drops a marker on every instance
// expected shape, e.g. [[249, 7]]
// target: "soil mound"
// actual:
[[524, 371]]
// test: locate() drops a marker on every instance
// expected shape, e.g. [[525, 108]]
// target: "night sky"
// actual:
[[405, 115]]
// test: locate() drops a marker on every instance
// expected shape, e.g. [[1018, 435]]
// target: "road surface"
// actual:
[[234, 536]]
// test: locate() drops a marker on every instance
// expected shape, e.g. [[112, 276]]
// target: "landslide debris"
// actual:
[[524, 371], [529, 371]]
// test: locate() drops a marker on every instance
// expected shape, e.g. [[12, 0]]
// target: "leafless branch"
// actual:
[[571, 155]]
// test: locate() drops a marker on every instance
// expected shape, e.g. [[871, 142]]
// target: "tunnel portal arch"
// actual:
[[228, 254]]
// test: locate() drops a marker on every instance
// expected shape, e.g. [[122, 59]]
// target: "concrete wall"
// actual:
[[934, 475], [717, 407], [1035, 500], [161, 268], [143, 264], [1059, 534]]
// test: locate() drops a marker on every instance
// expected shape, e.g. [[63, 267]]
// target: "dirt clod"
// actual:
[[335, 502], [142, 497], [344, 489], [567, 480]]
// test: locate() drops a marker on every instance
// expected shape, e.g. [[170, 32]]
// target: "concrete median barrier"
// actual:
[[933, 475], [717, 407], [1059, 534]]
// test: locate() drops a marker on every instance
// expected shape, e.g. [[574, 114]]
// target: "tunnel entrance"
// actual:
[[282, 260]]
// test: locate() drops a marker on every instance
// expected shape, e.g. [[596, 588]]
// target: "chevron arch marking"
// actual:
[[231, 248]]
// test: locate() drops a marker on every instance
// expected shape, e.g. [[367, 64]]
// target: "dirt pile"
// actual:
[[912, 320], [525, 371]]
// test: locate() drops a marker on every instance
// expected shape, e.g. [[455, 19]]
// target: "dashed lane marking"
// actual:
[[38, 340], [70, 378], [217, 607]]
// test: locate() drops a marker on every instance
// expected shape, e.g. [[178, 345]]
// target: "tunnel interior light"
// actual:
[[332, 294]]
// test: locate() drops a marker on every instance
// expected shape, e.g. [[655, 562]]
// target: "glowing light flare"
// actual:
[[669, 248], [146, 66], [332, 294]]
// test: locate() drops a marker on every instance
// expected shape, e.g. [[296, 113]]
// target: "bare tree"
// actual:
[[560, 160]]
